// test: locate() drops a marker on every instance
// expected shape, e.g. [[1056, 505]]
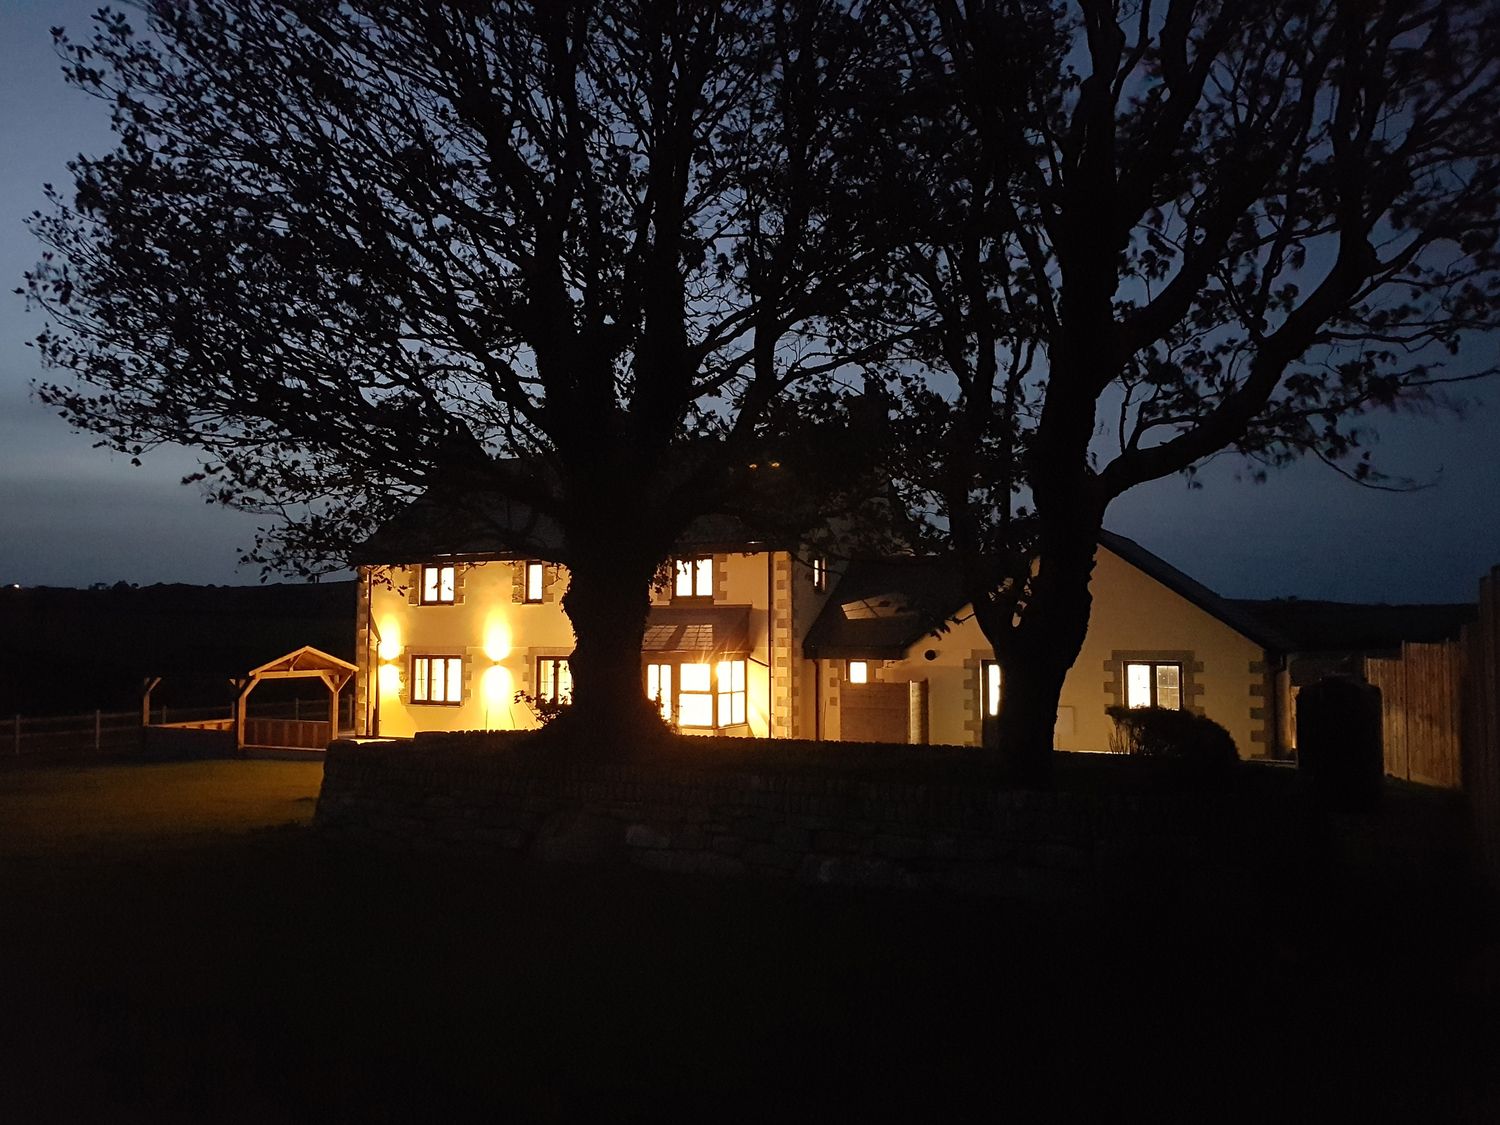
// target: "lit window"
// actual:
[[695, 700], [439, 585], [991, 689], [707, 696], [554, 680], [437, 679], [693, 578], [535, 581], [859, 672], [820, 574], [1149, 684], [731, 687], [659, 688]]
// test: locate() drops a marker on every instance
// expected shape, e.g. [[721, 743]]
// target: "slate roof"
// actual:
[[880, 608], [702, 630]]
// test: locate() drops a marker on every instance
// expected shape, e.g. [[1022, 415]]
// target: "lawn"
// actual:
[[176, 945]]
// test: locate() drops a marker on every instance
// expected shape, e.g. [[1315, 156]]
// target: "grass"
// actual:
[[175, 945]]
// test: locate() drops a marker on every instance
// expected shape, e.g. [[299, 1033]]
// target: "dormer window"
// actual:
[[693, 578], [439, 585], [536, 582], [820, 574]]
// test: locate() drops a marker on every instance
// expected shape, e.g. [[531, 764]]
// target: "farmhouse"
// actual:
[[747, 637]]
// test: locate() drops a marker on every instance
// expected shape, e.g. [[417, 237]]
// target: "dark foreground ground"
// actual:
[[176, 945]]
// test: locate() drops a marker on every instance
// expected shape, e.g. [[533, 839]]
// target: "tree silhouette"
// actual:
[[546, 256], [1188, 227]]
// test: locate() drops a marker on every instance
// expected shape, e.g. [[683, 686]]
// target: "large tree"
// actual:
[[1186, 226], [553, 256]]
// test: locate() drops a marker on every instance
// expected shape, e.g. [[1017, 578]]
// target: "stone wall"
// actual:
[[800, 825]]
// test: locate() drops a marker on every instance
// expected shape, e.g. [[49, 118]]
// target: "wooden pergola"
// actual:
[[305, 663]]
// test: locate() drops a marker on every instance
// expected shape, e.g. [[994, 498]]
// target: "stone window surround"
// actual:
[[1192, 667]]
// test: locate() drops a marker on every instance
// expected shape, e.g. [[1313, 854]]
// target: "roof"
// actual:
[[495, 526], [702, 630], [880, 608], [1320, 626]]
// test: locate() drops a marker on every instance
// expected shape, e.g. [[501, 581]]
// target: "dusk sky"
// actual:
[[72, 515]]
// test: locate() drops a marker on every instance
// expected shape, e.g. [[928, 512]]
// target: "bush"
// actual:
[[1194, 741]]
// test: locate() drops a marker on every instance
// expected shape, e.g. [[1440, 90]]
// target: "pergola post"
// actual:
[[244, 686], [149, 685], [332, 685]]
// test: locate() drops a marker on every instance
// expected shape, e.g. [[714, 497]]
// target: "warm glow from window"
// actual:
[[693, 578], [536, 574], [554, 680], [659, 688], [991, 689], [439, 585], [859, 672], [437, 679], [1153, 685], [708, 695], [820, 574], [731, 692]]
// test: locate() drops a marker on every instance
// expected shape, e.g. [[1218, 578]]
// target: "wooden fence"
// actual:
[[1481, 743], [1420, 694], [109, 733]]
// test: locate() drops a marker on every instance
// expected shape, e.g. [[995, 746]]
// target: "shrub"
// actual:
[[1195, 741]]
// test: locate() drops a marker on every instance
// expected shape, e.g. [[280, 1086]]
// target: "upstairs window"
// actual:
[[859, 672], [693, 578], [1153, 684], [439, 585], [820, 574], [437, 679], [535, 583]]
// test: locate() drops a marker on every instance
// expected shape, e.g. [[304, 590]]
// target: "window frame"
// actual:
[[716, 695], [541, 583], [697, 567], [1153, 686], [414, 681], [991, 690], [820, 574], [437, 598], [559, 670]]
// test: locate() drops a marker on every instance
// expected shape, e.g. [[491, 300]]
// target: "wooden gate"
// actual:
[[880, 712]]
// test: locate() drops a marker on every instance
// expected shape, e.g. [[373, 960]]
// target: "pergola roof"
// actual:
[[306, 663]]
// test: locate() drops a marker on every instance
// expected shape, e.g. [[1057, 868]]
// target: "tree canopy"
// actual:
[[1166, 230]]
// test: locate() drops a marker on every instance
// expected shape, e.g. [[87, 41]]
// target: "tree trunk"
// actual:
[[607, 601], [1036, 654], [1029, 696]]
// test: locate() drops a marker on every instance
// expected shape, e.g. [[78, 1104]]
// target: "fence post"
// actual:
[[296, 710]]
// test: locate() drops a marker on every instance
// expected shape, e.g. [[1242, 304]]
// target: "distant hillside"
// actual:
[[64, 650]]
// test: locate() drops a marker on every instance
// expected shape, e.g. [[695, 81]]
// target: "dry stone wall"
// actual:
[[796, 825]]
